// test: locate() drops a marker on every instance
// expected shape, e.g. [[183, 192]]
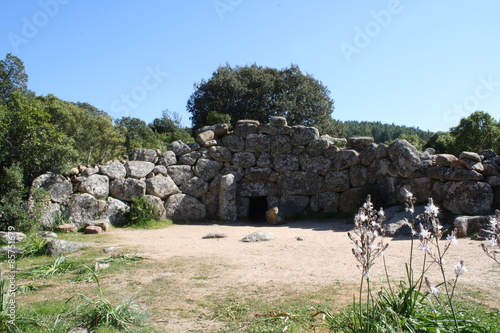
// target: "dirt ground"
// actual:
[[305, 255]]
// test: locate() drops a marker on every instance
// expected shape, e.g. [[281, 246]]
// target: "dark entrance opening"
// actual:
[[257, 209]]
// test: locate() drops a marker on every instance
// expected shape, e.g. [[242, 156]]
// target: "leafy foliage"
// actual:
[[142, 211], [478, 131], [383, 133], [256, 92]]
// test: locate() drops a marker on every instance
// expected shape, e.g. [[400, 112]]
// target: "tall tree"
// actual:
[[12, 77], [170, 125], [256, 92]]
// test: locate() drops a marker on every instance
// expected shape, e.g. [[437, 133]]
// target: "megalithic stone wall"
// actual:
[[293, 167]]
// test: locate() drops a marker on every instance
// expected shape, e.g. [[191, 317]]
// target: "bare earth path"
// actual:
[[321, 258]]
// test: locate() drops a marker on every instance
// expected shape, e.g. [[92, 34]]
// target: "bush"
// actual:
[[142, 212]]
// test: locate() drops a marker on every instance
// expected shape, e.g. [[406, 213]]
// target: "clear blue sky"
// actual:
[[414, 63]]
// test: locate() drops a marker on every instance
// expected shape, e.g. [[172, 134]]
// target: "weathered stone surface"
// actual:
[[286, 162], [267, 129], [384, 191], [293, 205], [359, 141], [11, 237], [160, 170], [468, 225], [472, 165], [92, 229], [303, 135], [274, 216], [281, 144], [420, 187], [436, 172], [299, 183], [462, 174], [159, 208], [59, 187], [83, 208], [167, 158], [49, 215], [345, 159], [195, 187], [382, 151], [396, 219], [207, 169], [331, 152], [203, 137], [215, 235], [189, 158], [218, 129], [258, 142], [467, 197], [285, 130], [352, 199], [244, 159], [227, 198], [113, 170], [445, 160], [179, 148], [254, 173], [220, 153], [318, 164], [368, 154], [337, 181], [55, 247], [47, 234], [470, 156], [490, 170], [233, 142], [116, 211], [257, 189], [358, 175], [89, 171], [180, 173], [145, 155], [259, 236], [378, 170], [184, 207], [96, 185], [138, 169], [317, 147], [494, 181], [9, 250], [265, 160], [236, 170], [326, 202], [244, 129], [128, 188], [211, 202], [405, 158], [277, 121], [161, 186]]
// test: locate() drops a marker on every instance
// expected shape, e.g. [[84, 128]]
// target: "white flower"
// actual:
[[434, 290], [407, 194], [431, 209], [460, 268], [425, 234], [381, 212], [452, 239], [425, 247]]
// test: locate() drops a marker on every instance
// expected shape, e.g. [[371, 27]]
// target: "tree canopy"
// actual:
[[256, 92]]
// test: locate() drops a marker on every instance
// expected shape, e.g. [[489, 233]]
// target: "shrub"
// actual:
[[142, 212]]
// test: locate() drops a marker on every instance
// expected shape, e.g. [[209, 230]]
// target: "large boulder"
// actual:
[[318, 147], [244, 159], [257, 189], [56, 247], [180, 173], [257, 142], [368, 154], [220, 153], [303, 135], [467, 197], [326, 202], [189, 158], [138, 169], [116, 212], [405, 158], [145, 155], [184, 207], [161, 186], [286, 162], [195, 187], [254, 174], [352, 199], [159, 208], [179, 148], [337, 181], [358, 175], [467, 225], [227, 198], [233, 142], [345, 159], [293, 205], [318, 164], [113, 170], [281, 144], [85, 207], [58, 187], [168, 158], [96, 185], [359, 141], [49, 215], [128, 188], [207, 169], [299, 183]]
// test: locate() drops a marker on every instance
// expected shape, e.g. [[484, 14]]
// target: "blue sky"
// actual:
[[416, 63]]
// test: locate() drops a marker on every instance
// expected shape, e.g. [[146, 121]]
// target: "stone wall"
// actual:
[[292, 167]]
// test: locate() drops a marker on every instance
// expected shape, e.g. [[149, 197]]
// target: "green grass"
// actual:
[[151, 224]]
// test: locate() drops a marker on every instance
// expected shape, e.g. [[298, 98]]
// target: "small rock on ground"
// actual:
[[259, 236]]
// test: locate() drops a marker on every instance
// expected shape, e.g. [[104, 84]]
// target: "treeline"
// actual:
[[382, 132]]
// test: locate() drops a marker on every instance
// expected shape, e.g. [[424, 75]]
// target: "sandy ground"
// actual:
[[322, 256]]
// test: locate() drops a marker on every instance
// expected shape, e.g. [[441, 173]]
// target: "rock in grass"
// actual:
[[56, 247], [215, 235], [259, 236], [11, 250], [10, 237]]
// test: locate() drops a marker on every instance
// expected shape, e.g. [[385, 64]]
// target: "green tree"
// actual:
[[12, 77], [139, 135], [442, 142], [255, 92], [214, 118], [476, 132], [170, 126]]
